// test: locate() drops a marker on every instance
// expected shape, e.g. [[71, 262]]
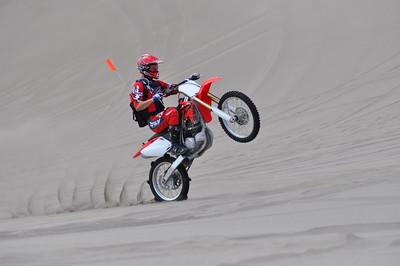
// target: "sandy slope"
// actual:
[[319, 186]]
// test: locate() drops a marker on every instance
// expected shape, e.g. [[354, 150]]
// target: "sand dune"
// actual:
[[319, 185]]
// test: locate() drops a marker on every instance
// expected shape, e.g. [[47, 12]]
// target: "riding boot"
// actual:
[[177, 148]]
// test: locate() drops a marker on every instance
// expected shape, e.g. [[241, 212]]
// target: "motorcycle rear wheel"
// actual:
[[174, 188], [247, 120]]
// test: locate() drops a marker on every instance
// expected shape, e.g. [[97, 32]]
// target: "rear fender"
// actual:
[[156, 147]]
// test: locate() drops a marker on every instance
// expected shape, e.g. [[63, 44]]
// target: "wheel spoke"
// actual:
[[231, 109]]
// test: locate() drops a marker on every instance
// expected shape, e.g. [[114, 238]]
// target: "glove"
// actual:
[[157, 97]]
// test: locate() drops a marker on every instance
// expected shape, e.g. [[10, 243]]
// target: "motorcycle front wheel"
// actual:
[[246, 125], [174, 188]]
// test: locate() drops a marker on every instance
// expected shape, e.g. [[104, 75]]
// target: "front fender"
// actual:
[[203, 95], [205, 87]]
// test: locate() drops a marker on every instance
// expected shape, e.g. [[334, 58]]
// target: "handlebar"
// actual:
[[194, 76], [182, 82]]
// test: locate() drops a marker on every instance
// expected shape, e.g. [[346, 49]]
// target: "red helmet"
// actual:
[[145, 61]]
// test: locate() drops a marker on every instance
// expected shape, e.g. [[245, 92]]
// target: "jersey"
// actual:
[[153, 87]]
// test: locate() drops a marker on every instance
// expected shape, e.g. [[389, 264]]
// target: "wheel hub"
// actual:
[[242, 116], [171, 183]]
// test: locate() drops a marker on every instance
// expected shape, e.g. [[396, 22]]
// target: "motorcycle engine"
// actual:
[[196, 142], [192, 132], [190, 143]]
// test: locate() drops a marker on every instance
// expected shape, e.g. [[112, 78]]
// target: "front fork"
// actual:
[[180, 160], [215, 110], [173, 167], [214, 98]]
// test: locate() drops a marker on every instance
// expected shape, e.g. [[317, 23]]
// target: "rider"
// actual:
[[147, 93]]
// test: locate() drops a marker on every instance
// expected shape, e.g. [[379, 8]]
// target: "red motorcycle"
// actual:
[[238, 116]]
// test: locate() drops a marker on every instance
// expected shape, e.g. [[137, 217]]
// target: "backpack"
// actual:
[[141, 117]]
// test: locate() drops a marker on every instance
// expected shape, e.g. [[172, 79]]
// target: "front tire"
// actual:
[[175, 188], [247, 124]]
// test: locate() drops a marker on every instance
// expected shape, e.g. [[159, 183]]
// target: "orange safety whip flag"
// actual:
[[110, 65]]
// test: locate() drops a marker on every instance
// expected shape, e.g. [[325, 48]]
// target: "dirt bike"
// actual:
[[238, 116]]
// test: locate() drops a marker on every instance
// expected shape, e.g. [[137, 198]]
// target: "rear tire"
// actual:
[[248, 113], [176, 188]]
